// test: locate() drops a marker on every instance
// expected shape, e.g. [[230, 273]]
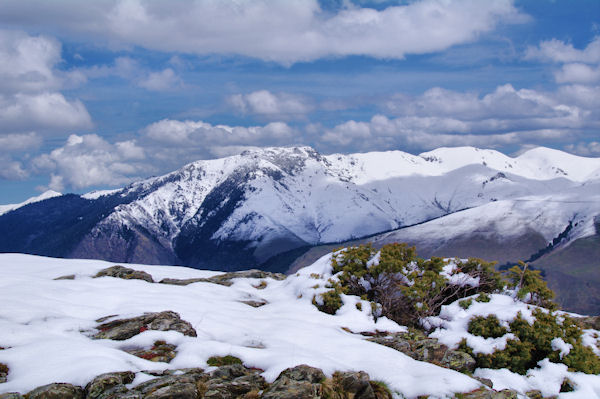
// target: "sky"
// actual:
[[94, 95]]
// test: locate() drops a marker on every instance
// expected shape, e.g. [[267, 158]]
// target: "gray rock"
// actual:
[[229, 372], [11, 395], [304, 373], [126, 328], [68, 277], [155, 384], [356, 383], [160, 352], [3, 372], [218, 388], [56, 391], [108, 384], [255, 303], [483, 393], [180, 390], [124, 273], [419, 347], [225, 279]]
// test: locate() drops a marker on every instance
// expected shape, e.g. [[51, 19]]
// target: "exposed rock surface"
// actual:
[[420, 347], [160, 352], [124, 273], [67, 277], [122, 329], [483, 393], [588, 322], [225, 279], [56, 391], [11, 395], [108, 385], [3, 372]]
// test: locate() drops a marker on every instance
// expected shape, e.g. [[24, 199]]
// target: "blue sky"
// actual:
[[97, 94]]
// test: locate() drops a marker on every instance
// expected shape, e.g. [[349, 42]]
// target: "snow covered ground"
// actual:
[[45, 326]]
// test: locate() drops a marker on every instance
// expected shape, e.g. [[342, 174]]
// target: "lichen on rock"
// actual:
[[124, 273], [123, 329]]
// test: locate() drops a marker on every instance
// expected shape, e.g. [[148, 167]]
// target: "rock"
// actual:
[[11, 395], [217, 388], [196, 371], [483, 393], [229, 372], [3, 372], [160, 352], [56, 391], [108, 384], [175, 391], [485, 381], [304, 373], [416, 345], [225, 278], [154, 385], [588, 322], [300, 382], [126, 328], [124, 273], [255, 304], [68, 277], [356, 383]]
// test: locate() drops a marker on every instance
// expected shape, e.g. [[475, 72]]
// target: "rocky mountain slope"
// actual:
[[265, 207], [162, 332]]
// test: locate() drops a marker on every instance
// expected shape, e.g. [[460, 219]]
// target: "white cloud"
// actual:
[[160, 81], [281, 31], [591, 149], [558, 51], [578, 73], [42, 111], [29, 84], [19, 142], [90, 160], [273, 105], [11, 169]]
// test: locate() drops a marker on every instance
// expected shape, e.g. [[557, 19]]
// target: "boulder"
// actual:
[[221, 388], [420, 347], [160, 352], [67, 277], [124, 273], [107, 385], [483, 393], [225, 278], [175, 391], [300, 382], [3, 372], [56, 391], [181, 382], [126, 328], [357, 384]]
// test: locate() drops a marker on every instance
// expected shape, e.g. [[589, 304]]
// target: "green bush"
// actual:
[[330, 301], [465, 303], [530, 286], [218, 361], [486, 327], [533, 343]]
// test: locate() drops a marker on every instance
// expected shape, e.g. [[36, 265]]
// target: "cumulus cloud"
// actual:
[[271, 105], [19, 142], [579, 66], [441, 117], [558, 51], [163, 80], [89, 160], [29, 87], [591, 149], [280, 31], [42, 111]]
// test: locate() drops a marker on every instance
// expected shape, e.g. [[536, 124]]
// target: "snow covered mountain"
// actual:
[[266, 206], [45, 195]]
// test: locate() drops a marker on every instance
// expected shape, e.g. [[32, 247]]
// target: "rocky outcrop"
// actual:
[[11, 395], [56, 391], [420, 347], [3, 372], [483, 393], [160, 352], [122, 329], [124, 273], [107, 386], [225, 279]]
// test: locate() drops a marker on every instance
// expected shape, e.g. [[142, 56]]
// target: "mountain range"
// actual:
[[281, 208]]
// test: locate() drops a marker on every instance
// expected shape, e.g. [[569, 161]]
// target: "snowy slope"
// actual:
[[43, 318], [44, 196], [303, 198]]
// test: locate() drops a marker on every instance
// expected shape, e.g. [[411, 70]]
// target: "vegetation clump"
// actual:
[[533, 342], [402, 286], [218, 361], [530, 286]]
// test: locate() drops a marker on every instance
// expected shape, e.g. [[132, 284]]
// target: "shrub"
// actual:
[[533, 343], [405, 288], [486, 327], [218, 361], [530, 286], [465, 303], [483, 297], [330, 301]]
